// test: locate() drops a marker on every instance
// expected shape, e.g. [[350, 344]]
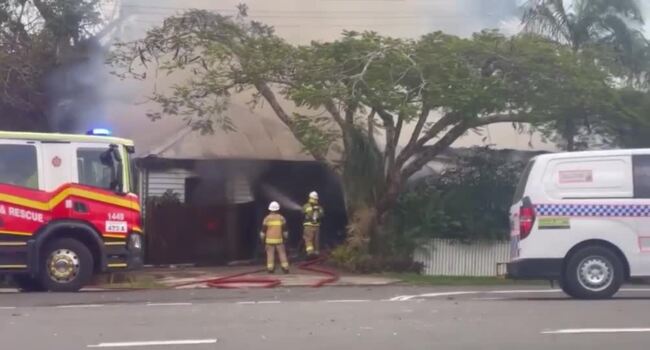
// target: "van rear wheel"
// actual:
[[593, 273], [565, 287], [67, 265]]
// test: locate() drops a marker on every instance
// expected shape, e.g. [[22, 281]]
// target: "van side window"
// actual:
[[92, 172], [523, 180], [641, 176], [19, 165]]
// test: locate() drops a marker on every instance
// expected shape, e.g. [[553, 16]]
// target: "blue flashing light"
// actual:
[[99, 132]]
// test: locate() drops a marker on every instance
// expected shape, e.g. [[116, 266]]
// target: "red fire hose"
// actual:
[[236, 280]]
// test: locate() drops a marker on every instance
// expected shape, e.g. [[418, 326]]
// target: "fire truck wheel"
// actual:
[[27, 283], [67, 265]]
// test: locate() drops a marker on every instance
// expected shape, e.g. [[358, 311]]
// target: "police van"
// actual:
[[583, 219]]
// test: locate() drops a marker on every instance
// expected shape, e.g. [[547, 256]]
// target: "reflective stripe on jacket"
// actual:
[[273, 226]]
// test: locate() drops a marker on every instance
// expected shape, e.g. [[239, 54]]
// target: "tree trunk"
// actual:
[[373, 218], [569, 135]]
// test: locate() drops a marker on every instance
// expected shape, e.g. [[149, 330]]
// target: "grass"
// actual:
[[422, 280], [130, 282]]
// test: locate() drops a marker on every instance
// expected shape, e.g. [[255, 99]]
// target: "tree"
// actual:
[[38, 37], [611, 25], [362, 87]]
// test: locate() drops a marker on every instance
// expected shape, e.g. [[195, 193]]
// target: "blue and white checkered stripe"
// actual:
[[616, 210]]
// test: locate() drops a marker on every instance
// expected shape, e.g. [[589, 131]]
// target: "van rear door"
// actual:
[[517, 202]]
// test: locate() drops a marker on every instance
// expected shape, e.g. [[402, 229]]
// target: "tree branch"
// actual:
[[416, 145], [390, 151], [389, 126], [270, 97], [336, 114], [428, 153]]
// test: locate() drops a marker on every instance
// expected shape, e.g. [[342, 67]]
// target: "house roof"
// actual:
[[257, 136]]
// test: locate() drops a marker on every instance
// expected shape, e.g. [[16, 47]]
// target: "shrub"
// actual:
[[468, 202]]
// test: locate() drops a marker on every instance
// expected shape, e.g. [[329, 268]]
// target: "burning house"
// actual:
[[204, 196]]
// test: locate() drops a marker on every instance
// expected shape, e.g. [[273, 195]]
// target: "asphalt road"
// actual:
[[328, 318]]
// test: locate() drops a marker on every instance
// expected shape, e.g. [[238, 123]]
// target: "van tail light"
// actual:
[[526, 220]]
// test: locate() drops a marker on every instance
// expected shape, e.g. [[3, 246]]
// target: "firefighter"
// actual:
[[311, 227], [274, 233]]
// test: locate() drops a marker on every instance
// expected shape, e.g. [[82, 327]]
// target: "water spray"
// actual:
[[281, 198]]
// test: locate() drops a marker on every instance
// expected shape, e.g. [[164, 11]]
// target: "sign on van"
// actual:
[[575, 176]]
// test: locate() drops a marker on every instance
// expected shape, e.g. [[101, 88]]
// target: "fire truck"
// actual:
[[68, 209]]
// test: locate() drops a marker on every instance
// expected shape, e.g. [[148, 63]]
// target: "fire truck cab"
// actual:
[[68, 209]]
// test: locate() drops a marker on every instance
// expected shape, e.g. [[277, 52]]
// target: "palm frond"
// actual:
[[618, 33], [629, 9], [548, 17]]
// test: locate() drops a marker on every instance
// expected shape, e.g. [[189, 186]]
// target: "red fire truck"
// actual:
[[67, 209]]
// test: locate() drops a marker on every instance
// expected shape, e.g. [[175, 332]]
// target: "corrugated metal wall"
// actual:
[[172, 179], [451, 258]]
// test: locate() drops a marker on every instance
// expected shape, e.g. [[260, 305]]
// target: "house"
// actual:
[[204, 195]]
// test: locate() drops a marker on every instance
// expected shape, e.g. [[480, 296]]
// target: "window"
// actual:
[[521, 187], [641, 176], [19, 166], [92, 172]]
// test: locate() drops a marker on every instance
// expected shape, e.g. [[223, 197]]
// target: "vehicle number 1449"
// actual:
[[116, 216]]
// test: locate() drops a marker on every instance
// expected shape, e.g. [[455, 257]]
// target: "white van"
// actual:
[[583, 219]]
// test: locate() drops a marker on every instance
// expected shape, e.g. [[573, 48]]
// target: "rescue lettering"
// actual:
[[21, 214]]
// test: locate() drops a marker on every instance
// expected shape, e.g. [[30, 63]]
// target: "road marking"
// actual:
[[7, 307], [598, 331], [514, 291], [449, 294], [79, 306], [258, 302], [154, 343], [489, 299], [635, 290], [169, 304], [347, 301]]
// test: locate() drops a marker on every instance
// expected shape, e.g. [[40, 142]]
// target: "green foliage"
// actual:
[[37, 37], [169, 197], [362, 91], [351, 259], [468, 202], [605, 34]]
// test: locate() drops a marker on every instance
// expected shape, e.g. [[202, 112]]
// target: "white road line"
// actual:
[[469, 292], [635, 290], [514, 291], [598, 331], [169, 304], [79, 306], [346, 301], [7, 307], [258, 302], [154, 343]]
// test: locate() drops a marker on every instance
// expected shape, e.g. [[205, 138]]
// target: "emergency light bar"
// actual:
[[99, 132]]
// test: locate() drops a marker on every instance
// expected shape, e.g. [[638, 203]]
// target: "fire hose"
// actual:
[[236, 280]]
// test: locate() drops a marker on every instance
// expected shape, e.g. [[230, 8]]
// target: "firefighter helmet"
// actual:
[[313, 195], [274, 206]]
